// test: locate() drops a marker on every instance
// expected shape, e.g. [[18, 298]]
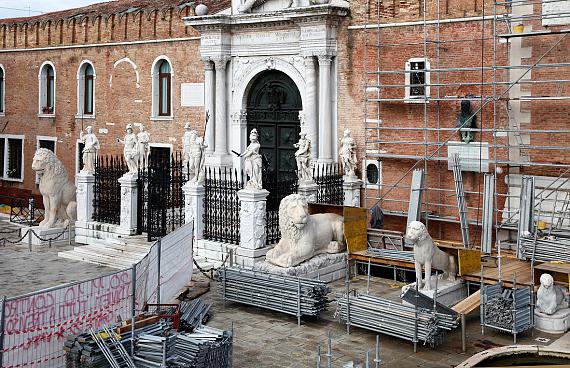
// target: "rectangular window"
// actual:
[[2, 156], [79, 159], [49, 144], [417, 79], [1, 91], [164, 95], [15, 158], [50, 89], [88, 105]]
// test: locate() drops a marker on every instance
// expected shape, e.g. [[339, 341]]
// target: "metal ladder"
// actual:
[[460, 193], [114, 352]]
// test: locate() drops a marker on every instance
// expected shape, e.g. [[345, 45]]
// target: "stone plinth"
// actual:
[[351, 187], [449, 293], [556, 323], [326, 267], [85, 183], [309, 190], [194, 207], [252, 218], [59, 236], [129, 195]]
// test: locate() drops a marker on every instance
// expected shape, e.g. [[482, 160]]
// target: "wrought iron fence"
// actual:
[[107, 189], [221, 204], [24, 211], [329, 179], [279, 186], [160, 196]]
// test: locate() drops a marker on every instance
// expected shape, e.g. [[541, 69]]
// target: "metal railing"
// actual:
[[23, 211], [329, 178], [279, 186], [107, 189]]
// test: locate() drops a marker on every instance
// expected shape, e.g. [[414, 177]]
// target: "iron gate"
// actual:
[[160, 196]]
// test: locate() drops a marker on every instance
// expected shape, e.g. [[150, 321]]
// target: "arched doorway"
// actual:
[[273, 106]]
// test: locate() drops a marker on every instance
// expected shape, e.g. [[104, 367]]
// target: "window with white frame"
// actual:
[[86, 90], [372, 173], [47, 89], [12, 157], [162, 88], [45, 142], [2, 88], [417, 79]]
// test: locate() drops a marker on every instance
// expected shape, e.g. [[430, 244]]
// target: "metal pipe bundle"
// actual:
[[508, 310], [154, 351], [192, 314], [396, 255], [394, 319], [206, 347], [555, 249], [287, 294]]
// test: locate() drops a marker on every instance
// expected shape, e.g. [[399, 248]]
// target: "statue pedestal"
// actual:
[[448, 292], [59, 236], [308, 189], [327, 267], [556, 323], [129, 196], [194, 206], [85, 183], [351, 187], [252, 218]]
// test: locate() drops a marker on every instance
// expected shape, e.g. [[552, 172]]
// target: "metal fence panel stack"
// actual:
[[394, 319], [206, 347], [286, 294], [397, 255], [193, 313], [553, 249]]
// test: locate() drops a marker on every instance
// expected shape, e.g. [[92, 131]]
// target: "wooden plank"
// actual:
[[382, 261], [325, 208], [468, 304], [355, 228], [468, 260]]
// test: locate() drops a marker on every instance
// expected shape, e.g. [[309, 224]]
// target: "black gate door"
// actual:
[[273, 109]]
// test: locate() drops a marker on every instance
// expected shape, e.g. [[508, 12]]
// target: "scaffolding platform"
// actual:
[[509, 266]]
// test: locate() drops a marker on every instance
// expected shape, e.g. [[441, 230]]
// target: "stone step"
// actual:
[[102, 260], [129, 247], [112, 251]]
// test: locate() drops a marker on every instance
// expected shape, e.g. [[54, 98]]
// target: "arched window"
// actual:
[[86, 90], [2, 92], [162, 89], [47, 89]]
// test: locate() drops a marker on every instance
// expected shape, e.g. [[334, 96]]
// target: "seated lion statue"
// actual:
[[550, 297], [304, 236], [57, 191]]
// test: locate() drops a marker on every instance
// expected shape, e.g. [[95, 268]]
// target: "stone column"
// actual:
[[325, 110], [252, 218], [221, 139], [309, 190], [194, 207], [209, 107], [310, 107], [351, 187], [129, 196], [85, 186]]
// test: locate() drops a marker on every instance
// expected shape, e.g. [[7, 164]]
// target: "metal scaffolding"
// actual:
[[511, 75]]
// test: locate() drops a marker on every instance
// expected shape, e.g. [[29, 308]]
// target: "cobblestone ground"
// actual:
[[268, 339], [22, 271]]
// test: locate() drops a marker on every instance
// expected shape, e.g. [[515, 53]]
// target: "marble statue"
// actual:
[[189, 135], [466, 120], [304, 236], [427, 254], [90, 149], [196, 157], [143, 139], [347, 154], [57, 191], [253, 162], [248, 5], [131, 149], [303, 157], [550, 298]]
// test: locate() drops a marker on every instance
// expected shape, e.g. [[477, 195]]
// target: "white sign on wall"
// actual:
[[192, 94], [473, 156], [555, 13]]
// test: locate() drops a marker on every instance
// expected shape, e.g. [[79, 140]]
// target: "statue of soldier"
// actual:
[[90, 149], [253, 162], [143, 139], [347, 153], [196, 156], [130, 150], [303, 157]]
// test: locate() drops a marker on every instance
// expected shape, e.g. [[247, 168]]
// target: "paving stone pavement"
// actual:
[[269, 339], [22, 271]]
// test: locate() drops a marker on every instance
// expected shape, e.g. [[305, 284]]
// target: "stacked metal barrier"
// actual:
[[397, 255], [193, 313], [154, 351], [555, 249], [286, 294], [507, 310], [206, 347], [394, 319]]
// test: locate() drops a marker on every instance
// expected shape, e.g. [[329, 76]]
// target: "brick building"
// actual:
[[395, 73]]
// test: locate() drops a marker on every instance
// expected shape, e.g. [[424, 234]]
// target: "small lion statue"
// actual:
[[427, 254], [550, 298], [304, 236], [57, 191]]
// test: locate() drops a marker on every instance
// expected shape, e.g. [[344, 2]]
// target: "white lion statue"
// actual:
[[550, 297], [427, 254], [57, 191], [304, 236]]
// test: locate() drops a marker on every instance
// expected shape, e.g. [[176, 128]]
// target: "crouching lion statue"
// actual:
[[550, 298], [427, 254], [57, 191], [304, 236]]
